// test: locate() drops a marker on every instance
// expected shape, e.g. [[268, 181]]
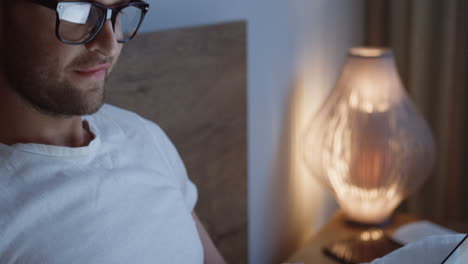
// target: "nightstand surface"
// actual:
[[336, 229]]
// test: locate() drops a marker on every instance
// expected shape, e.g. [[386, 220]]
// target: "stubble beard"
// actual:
[[51, 94]]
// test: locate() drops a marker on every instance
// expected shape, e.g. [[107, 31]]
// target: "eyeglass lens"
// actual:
[[80, 20], [127, 22]]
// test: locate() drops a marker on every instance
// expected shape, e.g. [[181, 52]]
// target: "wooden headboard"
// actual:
[[192, 82]]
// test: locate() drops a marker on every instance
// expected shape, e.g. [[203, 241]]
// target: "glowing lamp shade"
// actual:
[[367, 142]]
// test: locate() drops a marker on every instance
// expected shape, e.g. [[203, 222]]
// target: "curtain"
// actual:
[[429, 40]]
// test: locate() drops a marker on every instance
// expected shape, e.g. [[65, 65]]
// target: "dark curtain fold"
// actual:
[[429, 40], [459, 164]]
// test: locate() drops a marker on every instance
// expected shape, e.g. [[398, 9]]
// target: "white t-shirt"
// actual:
[[124, 198]]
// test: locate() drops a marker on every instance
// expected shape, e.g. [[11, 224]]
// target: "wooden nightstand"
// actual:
[[338, 229]]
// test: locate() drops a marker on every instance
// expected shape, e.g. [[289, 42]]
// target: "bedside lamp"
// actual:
[[367, 143]]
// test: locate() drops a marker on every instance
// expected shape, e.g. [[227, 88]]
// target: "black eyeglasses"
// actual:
[[80, 22]]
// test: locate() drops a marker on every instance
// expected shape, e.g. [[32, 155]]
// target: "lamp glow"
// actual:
[[367, 142]]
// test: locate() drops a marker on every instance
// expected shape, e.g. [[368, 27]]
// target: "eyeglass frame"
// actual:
[[114, 11]]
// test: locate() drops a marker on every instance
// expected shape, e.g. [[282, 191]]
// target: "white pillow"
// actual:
[[431, 250]]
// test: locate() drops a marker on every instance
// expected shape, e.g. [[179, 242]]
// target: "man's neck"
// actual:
[[21, 123]]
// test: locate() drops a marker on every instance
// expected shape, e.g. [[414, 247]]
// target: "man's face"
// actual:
[[54, 78]]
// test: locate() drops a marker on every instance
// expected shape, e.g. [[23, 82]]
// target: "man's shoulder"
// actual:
[[119, 115], [110, 117], [126, 118], [114, 111]]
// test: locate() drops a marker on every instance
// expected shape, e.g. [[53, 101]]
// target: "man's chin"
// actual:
[[91, 102], [85, 82], [80, 101]]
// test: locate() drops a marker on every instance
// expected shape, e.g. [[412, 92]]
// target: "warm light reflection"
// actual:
[[377, 234], [369, 52], [367, 99], [365, 236], [372, 84], [310, 200], [360, 195], [368, 143], [373, 234]]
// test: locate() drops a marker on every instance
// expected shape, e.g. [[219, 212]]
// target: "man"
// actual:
[[83, 182]]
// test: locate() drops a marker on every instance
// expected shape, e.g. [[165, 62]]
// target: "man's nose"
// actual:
[[105, 41]]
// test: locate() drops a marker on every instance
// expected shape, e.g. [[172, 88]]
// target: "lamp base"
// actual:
[[356, 224], [362, 248]]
